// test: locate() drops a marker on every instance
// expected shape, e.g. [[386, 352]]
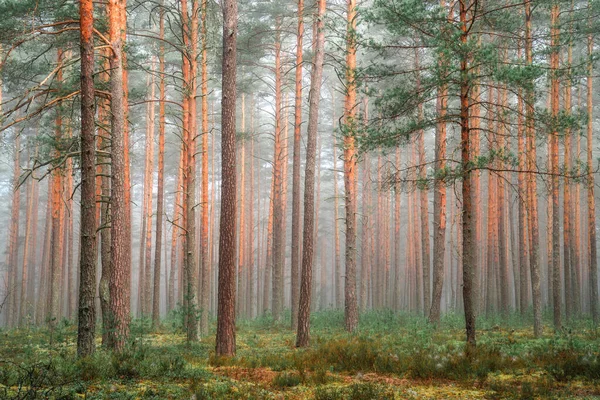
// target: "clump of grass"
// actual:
[[567, 365], [287, 380], [356, 391]]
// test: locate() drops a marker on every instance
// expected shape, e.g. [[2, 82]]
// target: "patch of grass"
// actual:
[[287, 379], [390, 353], [355, 391]]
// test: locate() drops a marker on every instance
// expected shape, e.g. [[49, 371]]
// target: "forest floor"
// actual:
[[392, 356]]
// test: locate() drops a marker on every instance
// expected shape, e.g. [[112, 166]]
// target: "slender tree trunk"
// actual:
[[70, 276], [591, 201], [103, 214], [242, 224], [501, 210], [366, 231], [532, 215], [204, 253], [25, 278], [469, 246], [439, 200], [13, 248], [278, 245], [350, 170], [553, 151], [57, 221], [146, 306], [268, 267], [225, 340], [175, 232], [337, 270], [568, 251], [424, 208], [397, 304], [250, 243], [42, 295], [322, 282], [296, 169], [31, 255], [88, 241], [522, 201], [120, 278], [303, 334], [160, 197]]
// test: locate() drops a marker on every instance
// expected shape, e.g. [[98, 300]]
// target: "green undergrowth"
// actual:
[[392, 355]]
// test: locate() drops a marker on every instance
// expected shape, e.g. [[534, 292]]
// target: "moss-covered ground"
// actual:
[[392, 356]]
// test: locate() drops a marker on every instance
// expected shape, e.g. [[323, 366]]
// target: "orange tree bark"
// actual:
[[160, 197], [29, 235], [350, 170], [225, 339], [13, 238], [522, 201], [57, 222], [204, 254], [469, 246], [303, 334], [278, 245], [88, 253], [120, 278], [296, 169], [439, 199], [532, 215], [593, 260], [242, 224], [568, 252], [553, 152]]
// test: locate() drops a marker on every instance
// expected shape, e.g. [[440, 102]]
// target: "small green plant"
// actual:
[[286, 380]]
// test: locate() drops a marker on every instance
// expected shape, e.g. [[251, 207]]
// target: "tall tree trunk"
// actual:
[[160, 197], [366, 231], [439, 199], [532, 215], [501, 210], [225, 341], [120, 278], [103, 202], [250, 242], [25, 278], [31, 244], [337, 270], [591, 200], [568, 251], [522, 204], [469, 246], [204, 253], [303, 334], [268, 264], [553, 151], [350, 170], [57, 220], [175, 232], [242, 207], [295, 267], [42, 294], [424, 207], [191, 33], [88, 242], [278, 245], [13, 248], [148, 192]]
